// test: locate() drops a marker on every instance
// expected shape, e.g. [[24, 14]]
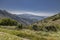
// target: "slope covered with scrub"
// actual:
[[53, 22], [46, 29]]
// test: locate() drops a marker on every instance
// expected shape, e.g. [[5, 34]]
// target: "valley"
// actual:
[[31, 27]]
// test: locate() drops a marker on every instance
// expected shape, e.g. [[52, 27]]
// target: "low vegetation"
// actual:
[[8, 22], [49, 24], [33, 35], [6, 36], [47, 29]]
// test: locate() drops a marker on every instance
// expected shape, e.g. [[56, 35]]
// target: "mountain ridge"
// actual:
[[33, 18], [23, 19]]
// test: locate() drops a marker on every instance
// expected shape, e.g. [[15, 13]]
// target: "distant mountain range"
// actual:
[[25, 19], [31, 18]]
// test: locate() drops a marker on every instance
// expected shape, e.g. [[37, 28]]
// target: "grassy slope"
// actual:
[[32, 35], [6, 36], [50, 21]]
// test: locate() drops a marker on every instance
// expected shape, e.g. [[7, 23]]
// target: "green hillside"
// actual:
[[46, 29], [52, 23]]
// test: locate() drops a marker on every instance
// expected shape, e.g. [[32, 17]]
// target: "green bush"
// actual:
[[35, 27], [51, 28], [19, 26], [8, 22]]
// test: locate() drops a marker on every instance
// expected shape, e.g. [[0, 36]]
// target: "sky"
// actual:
[[35, 7]]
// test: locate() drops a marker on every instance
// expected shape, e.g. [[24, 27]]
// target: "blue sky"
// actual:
[[36, 7]]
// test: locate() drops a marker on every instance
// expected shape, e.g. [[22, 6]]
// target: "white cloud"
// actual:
[[33, 13]]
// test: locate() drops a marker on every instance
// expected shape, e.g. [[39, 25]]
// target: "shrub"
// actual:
[[51, 28], [19, 26], [35, 27], [7, 21]]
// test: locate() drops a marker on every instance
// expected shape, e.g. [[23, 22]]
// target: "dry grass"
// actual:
[[31, 34], [6, 36]]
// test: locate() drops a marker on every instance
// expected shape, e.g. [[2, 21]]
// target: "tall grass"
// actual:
[[33, 35], [6, 36]]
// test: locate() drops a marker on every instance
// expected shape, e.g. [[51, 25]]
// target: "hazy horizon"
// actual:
[[34, 7]]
